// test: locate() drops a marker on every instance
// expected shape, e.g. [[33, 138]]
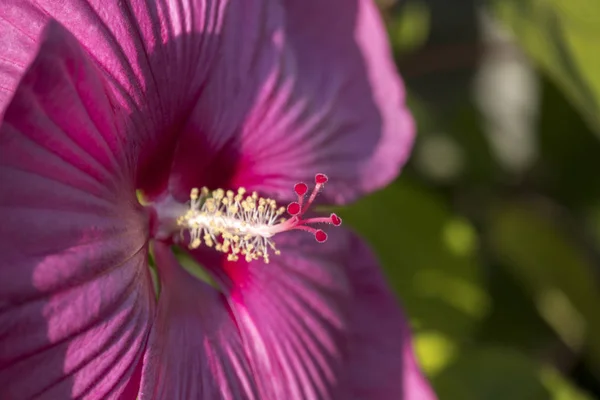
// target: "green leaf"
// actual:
[[193, 267], [514, 321], [568, 148], [500, 373], [554, 269], [429, 256], [562, 36], [560, 388], [434, 351], [408, 30]]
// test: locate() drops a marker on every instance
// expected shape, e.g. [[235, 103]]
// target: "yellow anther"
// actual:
[[218, 194], [232, 222]]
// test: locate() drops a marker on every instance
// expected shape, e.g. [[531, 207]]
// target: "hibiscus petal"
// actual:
[[320, 322], [194, 350], [150, 51], [382, 364], [211, 143], [293, 315], [154, 55], [75, 299], [298, 89]]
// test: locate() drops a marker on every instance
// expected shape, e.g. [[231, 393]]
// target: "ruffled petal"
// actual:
[[300, 88], [75, 300], [319, 322], [155, 56], [293, 315], [381, 364], [195, 349]]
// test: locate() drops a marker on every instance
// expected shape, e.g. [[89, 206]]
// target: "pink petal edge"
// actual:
[[382, 364], [299, 88], [320, 322], [75, 300]]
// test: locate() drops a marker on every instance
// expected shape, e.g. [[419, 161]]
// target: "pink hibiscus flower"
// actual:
[[164, 96]]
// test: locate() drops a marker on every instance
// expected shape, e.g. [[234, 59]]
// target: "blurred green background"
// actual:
[[491, 236]]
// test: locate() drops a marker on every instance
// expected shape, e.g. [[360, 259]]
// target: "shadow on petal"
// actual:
[[195, 349], [382, 364], [75, 300]]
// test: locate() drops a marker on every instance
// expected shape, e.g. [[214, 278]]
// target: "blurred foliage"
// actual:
[[562, 37], [410, 29], [498, 266], [488, 370], [554, 269], [497, 373], [429, 256]]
